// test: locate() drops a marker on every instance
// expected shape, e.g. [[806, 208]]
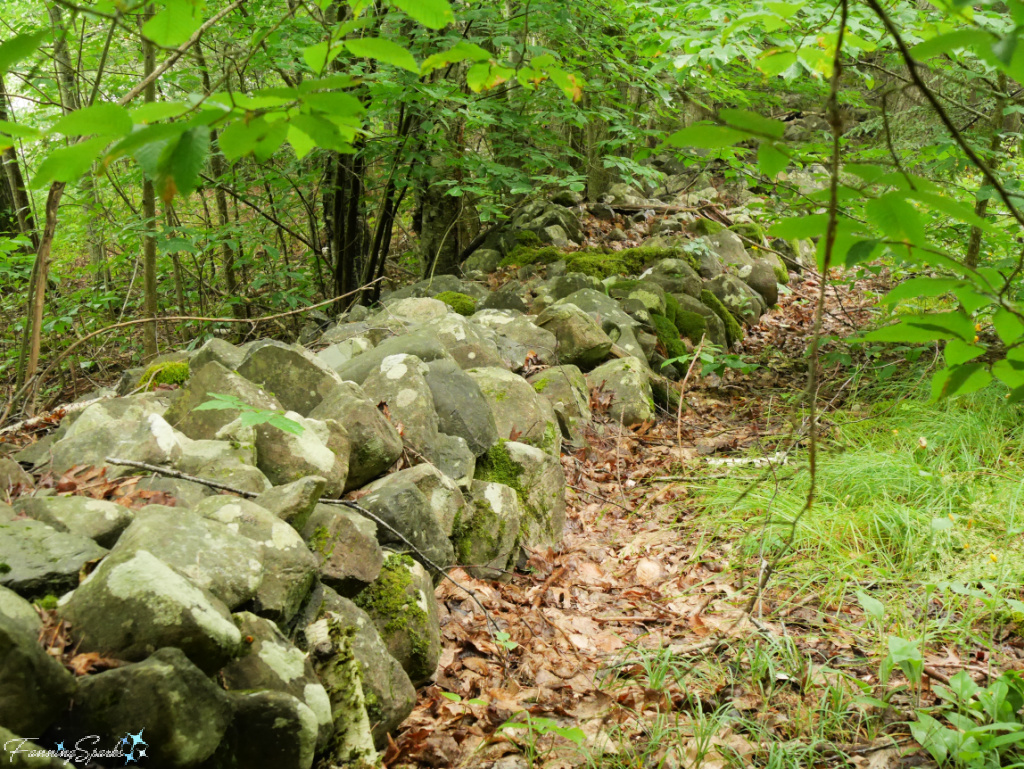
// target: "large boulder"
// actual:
[[487, 531], [219, 350], [413, 310], [461, 408], [400, 383], [293, 502], [521, 331], [675, 276], [568, 284], [20, 611], [94, 436], [740, 299], [375, 443], [443, 493], [344, 544], [100, 521], [465, 342], [565, 388], [402, 606], [294, 375], [614, 321], [420, 342], [320, 448], [37, 560], [270, 730], [761, 277], [215, 379], [337, 355], [127, 609], [581, 341], [629, 384], [173, 715], [289, 568], [226, 461], [34, 687], [519, 412], [728, 247], [454, 458]]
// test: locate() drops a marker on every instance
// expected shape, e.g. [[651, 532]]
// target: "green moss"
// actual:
[[468, 533], [463, 304], [496, 466], [781, 273], [668, 335], [169, 373], [672, 308], [527, 238], [541, 385], [691, 325], [595, 262], [702, 226], [754, 232], [386, 598], [524, 255], [48, 603], [4, 568], [733, 330], [321, 542]]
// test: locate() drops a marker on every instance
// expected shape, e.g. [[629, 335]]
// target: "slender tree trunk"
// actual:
[[981, 205], [16, 182], [149, 330]]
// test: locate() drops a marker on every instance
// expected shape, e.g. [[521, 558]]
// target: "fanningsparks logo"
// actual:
[[130, 747]]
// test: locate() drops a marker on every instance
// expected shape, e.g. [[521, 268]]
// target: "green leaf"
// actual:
[[958, 352], [960, 380], [798, 228], [916, 287], [68, 164], [384, 51], [941, 524], [142, 136], [896, 218], [19, 47], [462, 51], [872, 606], [158, 110], [318, 56], [432, 14], [334, 103], [175, 24], [752, 122], [1008, 326], [706, 136], [19, 131], [861, 251], [322, 132], [301, 142], [771, 160], [100, 119], [776, 62], [1010, 373], [934, 737], [243, 136], [963, 38], [185, 163]]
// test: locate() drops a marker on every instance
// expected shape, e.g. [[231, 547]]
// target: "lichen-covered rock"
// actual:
[[293, 374], [487, 531], [293, 502], [37, 560], [26, 754], [398, 501], [570, 283], [6, 513], [94, 436], [522, 331], [482, 260], [224, 353], [340, 353], [34, 687], [581, 341], [508, 298], [519, 412], [345, 547], [402, 606], [461, 408], [614, 321], [761, 277], [323, 449], [289, 568], [387, 690], [453, 457], [12, 474], [213, 378], [420, 342], [444, 495], [127, 609], [739, 298], [466, 343], [269, 661], [728, 247], [230, 462], [100, 521], [19, 611], [270, 730], [630, 387], [400, 383], [675, 276], [375, 443], [565, 388], [414, 310], [185, 494], [178, 715]]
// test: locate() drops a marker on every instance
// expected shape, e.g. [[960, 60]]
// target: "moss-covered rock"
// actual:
[[486, 531], [702, 226], [691, 325], [594, 262], [463, 304], [175, 372], [668, 335], [750, 230], [629, 384], [733, 330]]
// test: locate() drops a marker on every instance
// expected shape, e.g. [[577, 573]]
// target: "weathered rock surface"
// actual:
[[211, 379], [581, 342], [100, 521], [565, 388], [461, 408], [34, 687], [322, 448], [487, 532], [739, 298], [400, 382], [630, 387], [345, 547], [519, 412], [37, 560]]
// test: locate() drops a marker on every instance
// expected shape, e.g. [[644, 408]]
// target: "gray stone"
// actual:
[[760, 276], [400, 383], [344, 545], [128, 609], [565, 285], [728, 247], [453, 457], [100, 521], [12, 475], [402, 606], [420, 343], [444, 495], [185, 493], [488, 530], [461, 408], [375, 443], [414, 311], [270, 730], [614, 321], [229, 462], [565, 388], [20, 611], [293, 502], [466, 343], [34, 687], [180, 713], [94, 436], [354, 330], [294, 375], [519, 412], [337, 355], [224, 353], [521, 330], [37, 560], [630, 387], [602, 211], [289, 568], [675, 276], [739, 298], [581, 341], [483, 259], [323, 449], [505, 298], [213, 378]]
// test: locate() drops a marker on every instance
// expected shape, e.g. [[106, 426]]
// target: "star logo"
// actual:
[[138, 744], [60, 746]]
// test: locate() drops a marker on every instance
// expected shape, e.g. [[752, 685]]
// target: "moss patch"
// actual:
[[733, 330], [541, 385], [4, 568], [169, 373], [691, 325], [47, 603], [754, 232], [386, 598], [668, 335], [702, 226], [463, 304], [595, 262]]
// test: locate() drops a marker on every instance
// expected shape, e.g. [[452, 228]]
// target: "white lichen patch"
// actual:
[[287, 662], [166, 436], [315, 697], [406, 398]]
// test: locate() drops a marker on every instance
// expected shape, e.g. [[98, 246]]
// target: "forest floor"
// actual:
[[695, 617]]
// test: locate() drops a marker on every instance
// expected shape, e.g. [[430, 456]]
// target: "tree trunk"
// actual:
[[149, 331], [981, 205]]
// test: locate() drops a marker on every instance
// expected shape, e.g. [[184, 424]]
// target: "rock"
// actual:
[[614, 321], [414, 310], [270, 730], [565, 388], [453, 457], [127, 609], [230, 462], [487, 532], [538, 479], [12, 475], [398, 501], [444, 495], [616, 235], [20, 752], [567, 198], [522, 331], [355, 330], [294, 375], [20, 612], [400, 383], [322, 449], [420, 343], [519, 412], [34, 687], [572, 282], [186, 494], [94, 436], [465, 342], [649, 293], [344, 544], [624, 194], [581, 342], [602, 211], [483, 259], [100, 521], [37, 454], [728, 247], [289, 569], [741, 300], [461, 408], [165, 705], [553, 235], [375, 443], [270, 662], [630, 387], [206, 552], [224, 353], [402, 606], [213, 378], [293, 502], [337, 355], [37, 560], [760, 276], [539, 216], [675, 276], [387, 690], [505, 298]]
